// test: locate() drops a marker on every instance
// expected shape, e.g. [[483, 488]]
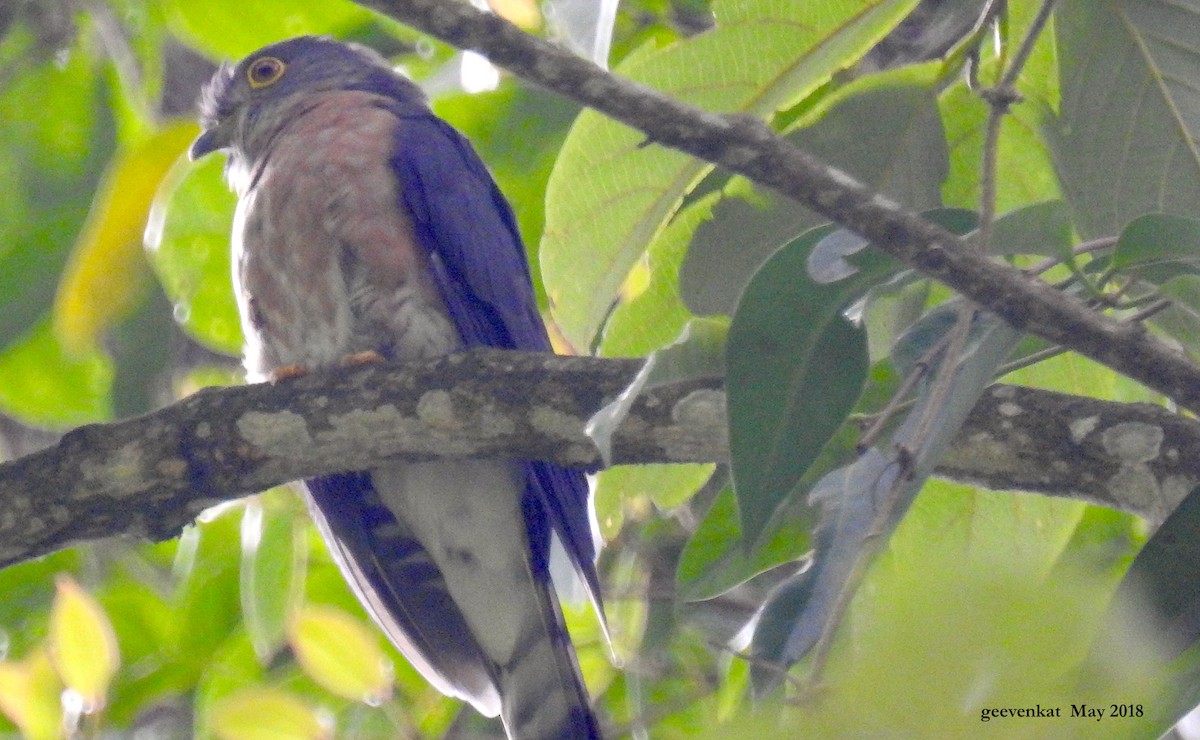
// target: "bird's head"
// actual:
[[245, 103]]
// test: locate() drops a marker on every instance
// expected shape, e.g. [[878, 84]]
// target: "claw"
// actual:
[[362, 358], [287, 371]]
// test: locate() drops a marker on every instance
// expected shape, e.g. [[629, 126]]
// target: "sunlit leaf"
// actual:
[[189, 246], [103, 279], [82, 644], [266, 713], [43, 384], [609, 196], [340, 653], [231, 29], [29, 695], [272, 573], [666, 486]]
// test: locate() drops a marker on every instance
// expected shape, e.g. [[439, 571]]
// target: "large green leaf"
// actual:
[[609, 195], [189, 244], [231, 29], [1126, 141], [883, 130], [57, 131], [795, 367]]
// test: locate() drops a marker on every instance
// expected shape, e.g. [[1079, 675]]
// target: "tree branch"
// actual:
[[748, 146], [150, 475]]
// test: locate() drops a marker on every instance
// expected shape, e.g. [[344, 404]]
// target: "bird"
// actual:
[[367, 228]]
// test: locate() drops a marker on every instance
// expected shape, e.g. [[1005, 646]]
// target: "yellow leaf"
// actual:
[[106, 272], [521, 13], [265, 713], [82, 643], [340, 653], [29, 695]]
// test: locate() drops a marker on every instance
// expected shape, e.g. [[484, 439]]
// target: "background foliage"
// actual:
[[115, 298]]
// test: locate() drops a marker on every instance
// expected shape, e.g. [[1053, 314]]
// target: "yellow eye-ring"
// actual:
[[264, 71]]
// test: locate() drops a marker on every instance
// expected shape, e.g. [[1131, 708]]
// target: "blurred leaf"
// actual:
[[42, 384], [228, 670], [883, 129], [56, 122], [340, 653], [207, 601], [229, 29], [1125, 140], [1042, 228], [102, 281], [963, 611], [82, 643], [667, 486], [272, 573], [1162, 586], [716, 558], [1158, 247], [189, 243], [795, 368], [266, 713], [29, 696], [609, 196], [1181, 320]]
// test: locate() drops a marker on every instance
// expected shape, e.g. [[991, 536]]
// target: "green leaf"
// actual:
[[1126, 141], [42, 384], [1042, 228], [231, 29], [795, 368], [1162, 586], [609, 196], [622, 486], [716, 557], [1026, 169], [272, 572], [883, 129], [655, 316], [1158, 247], [189, 244], [53, 156], [207, 600]]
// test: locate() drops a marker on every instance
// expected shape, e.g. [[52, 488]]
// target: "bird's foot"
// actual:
[[362, 358], [285, 372]]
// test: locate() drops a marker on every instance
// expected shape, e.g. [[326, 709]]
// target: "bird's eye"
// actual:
[[265, 71]]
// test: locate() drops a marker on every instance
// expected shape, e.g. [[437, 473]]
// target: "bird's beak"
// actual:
[[209, 141]]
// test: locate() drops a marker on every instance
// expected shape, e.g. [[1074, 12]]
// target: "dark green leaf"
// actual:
[[795, 368]]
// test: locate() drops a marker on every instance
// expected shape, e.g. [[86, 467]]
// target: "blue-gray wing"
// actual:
[[470, 234]]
